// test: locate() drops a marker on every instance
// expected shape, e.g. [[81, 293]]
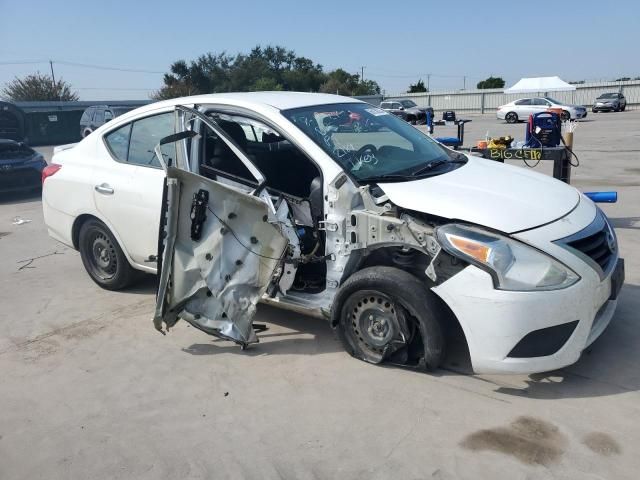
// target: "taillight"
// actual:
[[50, 170]]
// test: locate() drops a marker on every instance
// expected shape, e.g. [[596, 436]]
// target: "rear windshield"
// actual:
[[117, 111]]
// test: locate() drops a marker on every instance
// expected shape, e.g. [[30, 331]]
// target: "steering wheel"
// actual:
[[365, 148]]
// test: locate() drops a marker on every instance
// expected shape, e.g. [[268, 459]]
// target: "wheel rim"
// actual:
[[511, 117], [566, 116], [101, 257], [375, 322], [357, 127]]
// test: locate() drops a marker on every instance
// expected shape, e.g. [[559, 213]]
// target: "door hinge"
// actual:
[[327, 226]]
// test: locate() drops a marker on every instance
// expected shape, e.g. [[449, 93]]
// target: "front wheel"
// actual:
[[102, 257], [386, 314], [565, 116]]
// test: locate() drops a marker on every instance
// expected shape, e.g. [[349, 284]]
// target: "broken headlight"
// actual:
[[512, 264]]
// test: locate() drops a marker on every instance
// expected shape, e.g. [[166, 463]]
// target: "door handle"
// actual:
[[104, 188]]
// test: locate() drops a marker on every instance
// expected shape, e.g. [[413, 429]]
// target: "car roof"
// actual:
[[277, 100]]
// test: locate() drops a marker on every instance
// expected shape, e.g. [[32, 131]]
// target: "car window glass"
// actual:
[[108, 115], [540, 101], [524, 101], [118, 142], [98, 117], [145, 135], [86, 117]]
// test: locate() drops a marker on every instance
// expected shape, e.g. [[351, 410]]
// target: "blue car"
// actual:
[[20, 167]]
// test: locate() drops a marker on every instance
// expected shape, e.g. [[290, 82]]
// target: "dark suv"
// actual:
[[98, 115], [407, 110]]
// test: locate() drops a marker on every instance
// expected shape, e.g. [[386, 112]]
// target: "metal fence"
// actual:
[[483, 101]]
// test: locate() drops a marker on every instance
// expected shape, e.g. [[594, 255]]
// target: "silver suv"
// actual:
[[97, 115]]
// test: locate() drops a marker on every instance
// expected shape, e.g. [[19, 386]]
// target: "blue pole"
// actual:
[[603, 197]]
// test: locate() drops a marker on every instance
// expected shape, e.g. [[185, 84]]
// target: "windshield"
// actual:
[[382, 145], [609, 95], [553, 100], [408, 104]]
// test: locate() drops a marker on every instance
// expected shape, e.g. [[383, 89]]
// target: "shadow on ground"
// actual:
[[610, 366], [303, 335], [632, 223], [16, 198]]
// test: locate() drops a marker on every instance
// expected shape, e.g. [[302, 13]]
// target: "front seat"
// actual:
[[316, 199], [223, 157]]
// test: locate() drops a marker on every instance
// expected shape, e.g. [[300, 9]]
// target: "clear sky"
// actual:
[[397, 42]]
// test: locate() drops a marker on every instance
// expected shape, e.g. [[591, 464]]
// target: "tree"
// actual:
[[344, 83], [491, 82], [418, 87], [38, 87], [263, 68], [265, 84]]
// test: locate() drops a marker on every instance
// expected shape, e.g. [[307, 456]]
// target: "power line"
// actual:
[[115, 88], [103, 67], [81, 65]]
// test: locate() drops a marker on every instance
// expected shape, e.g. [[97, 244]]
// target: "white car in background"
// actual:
[[388, 234], [519, 110]]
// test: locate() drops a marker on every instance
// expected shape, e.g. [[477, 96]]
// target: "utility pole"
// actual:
[[428, 79], [52, 75], [464, 83], [362, 74]]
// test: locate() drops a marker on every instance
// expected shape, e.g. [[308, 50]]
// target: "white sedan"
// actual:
[[519, 110], [237, 198]]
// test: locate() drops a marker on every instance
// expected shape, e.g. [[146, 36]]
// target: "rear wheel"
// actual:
[[386, 314], [511, 117], [102, 257]]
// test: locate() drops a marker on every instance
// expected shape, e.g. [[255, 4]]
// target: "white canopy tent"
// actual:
[[540, 85]]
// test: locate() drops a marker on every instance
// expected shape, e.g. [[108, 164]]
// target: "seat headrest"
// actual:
[[235, 131]]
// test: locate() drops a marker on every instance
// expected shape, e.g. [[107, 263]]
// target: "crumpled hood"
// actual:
[[488, 193]]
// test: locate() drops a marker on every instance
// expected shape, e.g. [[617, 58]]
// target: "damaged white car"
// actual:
[[391, 236]]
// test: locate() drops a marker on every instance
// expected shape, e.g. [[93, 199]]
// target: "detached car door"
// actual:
[[219, 245]]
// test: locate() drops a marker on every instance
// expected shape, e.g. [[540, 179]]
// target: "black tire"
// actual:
[[397, 311], [623, 108], [511, 117], [565, 116], [102, 257]]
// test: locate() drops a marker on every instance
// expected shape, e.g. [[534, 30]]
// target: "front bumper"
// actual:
[[496, 321], [579, 114], [603, 108]]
